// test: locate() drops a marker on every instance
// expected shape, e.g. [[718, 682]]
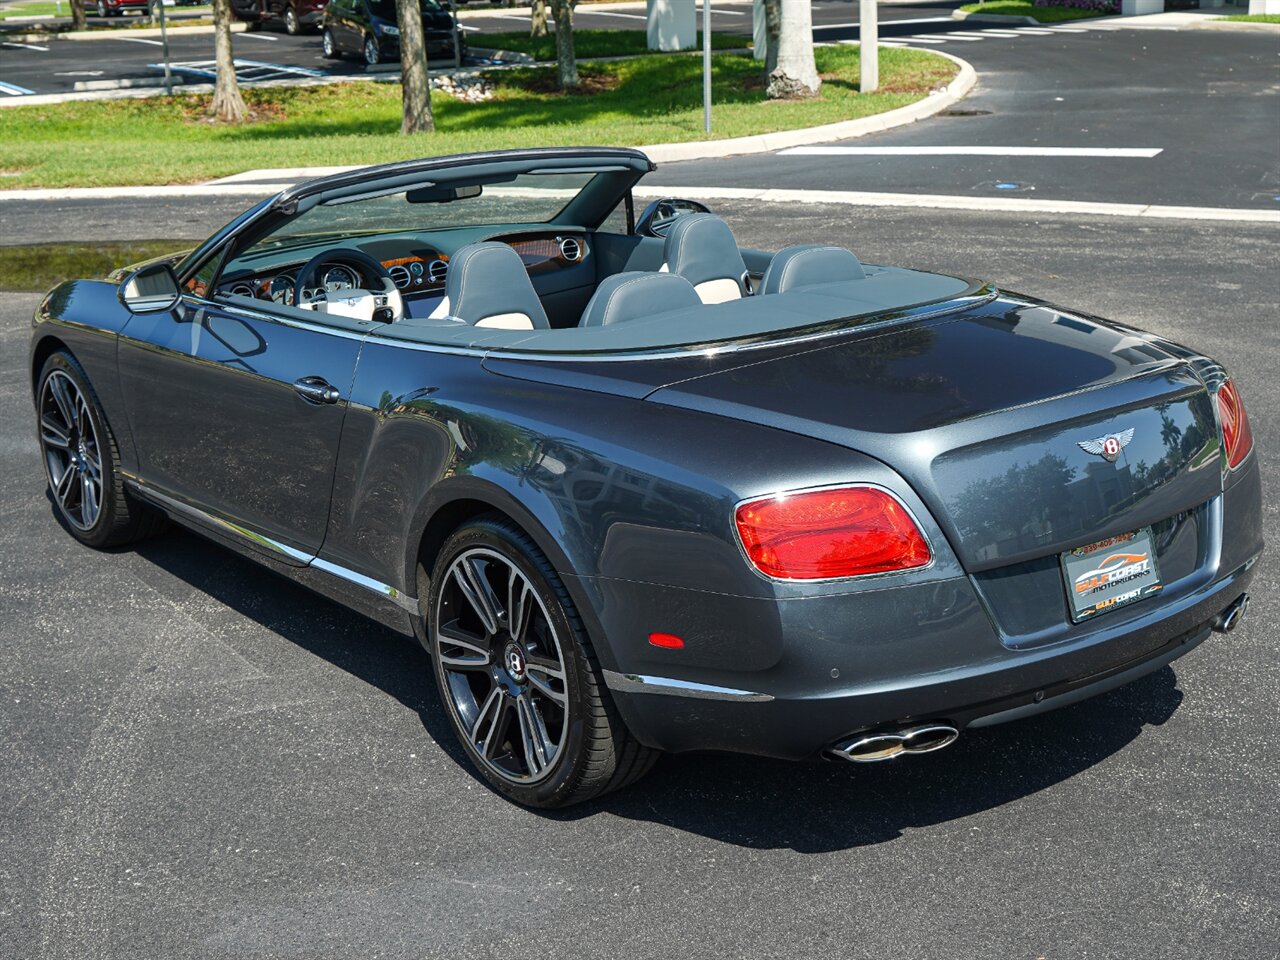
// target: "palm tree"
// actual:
[[795, 74], [415, 85], [566, 62], [538, 19], [228, 106], [77, 15]]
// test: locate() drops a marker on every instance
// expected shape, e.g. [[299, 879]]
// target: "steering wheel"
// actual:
[[385, 304]]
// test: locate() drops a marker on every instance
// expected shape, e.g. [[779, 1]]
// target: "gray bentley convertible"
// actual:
[[637, 489]]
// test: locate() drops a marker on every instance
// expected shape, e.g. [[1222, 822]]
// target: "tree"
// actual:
[[566, 62], [795, 74], [415, 85], [77, 15], [228, 106], [772, 24], [538, 19]]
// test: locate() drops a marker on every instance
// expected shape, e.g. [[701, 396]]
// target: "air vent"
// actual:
[[570, 249], [400, 276], [437, 270]]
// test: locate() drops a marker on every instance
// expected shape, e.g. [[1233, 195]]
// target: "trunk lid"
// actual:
[[988, 414]]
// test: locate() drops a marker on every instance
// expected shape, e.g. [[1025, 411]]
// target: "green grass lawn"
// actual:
[[1024, 8], [590, 43], [40, 9], [39, 266], [1255, 17], [653, 99]]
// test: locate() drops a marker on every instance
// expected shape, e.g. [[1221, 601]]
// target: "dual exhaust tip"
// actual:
[[1230, 618], [873, 747], [928, 737]]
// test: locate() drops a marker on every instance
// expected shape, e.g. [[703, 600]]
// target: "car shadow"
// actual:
[[737, 799]]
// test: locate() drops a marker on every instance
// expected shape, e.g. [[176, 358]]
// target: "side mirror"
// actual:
[[657, 218], [152, 289]]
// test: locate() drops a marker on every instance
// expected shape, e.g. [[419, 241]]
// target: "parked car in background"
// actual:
[[295, 15], [369, 29], [115, 8]]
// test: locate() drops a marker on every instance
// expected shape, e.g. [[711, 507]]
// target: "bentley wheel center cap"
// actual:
[[515, 664]]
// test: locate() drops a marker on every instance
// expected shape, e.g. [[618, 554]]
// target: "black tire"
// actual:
[[595, 753], [328, 46], [372, 52], [291, 24], [119, 519]]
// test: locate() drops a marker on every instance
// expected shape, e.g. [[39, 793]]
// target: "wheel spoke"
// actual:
[[53, 434], [64, 485], [540, 674], [533, 736], [476, 653], [486, 731], [470, 577], [58, 390], [520, 604], [88, 500]]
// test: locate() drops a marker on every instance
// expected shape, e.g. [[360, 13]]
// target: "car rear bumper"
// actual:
[[980, 689]]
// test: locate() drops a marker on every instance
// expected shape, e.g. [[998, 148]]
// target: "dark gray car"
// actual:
[[637, 489]]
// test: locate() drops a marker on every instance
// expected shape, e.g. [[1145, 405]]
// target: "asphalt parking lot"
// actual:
[[202, 760]]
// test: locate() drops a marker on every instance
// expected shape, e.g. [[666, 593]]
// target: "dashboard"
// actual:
[[416, 270]]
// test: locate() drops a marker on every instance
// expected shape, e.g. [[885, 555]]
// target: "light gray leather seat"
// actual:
[[807, 265], [700, 247], [635, 295], [488, 286]]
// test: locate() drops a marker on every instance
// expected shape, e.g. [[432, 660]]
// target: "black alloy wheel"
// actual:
[[81, 460], [517, 674], [291, 24], [372, 55]]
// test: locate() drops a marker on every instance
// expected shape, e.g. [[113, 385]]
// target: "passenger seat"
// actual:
[[636, 295], [488, 286], [807, 265], [700, 247]]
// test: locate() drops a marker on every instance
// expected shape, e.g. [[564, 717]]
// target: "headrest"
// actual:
[[700, 247], [631, 296], [807, 264], [489, 282]]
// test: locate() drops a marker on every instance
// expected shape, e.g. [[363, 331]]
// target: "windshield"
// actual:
[[520, 199]]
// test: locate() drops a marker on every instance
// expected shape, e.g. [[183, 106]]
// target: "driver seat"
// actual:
[[488, 286], [700, 247]]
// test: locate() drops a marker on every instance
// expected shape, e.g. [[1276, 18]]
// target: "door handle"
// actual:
[[317, 390]]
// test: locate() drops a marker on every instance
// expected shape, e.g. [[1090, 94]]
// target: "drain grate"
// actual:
[[965, 113]]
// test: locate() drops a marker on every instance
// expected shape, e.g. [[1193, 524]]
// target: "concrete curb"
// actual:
[[956, 90], [1243, 26], [997, 18]]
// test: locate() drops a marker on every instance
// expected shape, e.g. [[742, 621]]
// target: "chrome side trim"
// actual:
[[638, 683], [383, 590], [401, 599]]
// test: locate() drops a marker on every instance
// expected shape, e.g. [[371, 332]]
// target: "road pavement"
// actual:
[[204, 761]]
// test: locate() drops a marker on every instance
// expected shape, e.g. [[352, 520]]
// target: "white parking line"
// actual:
[[961, 151], [1035, 31], [154, 43], [258, 36], [605, 13], [924, 40], [963, 37], [1068, 29], [13, 90], [1002, 33], [24, 46]]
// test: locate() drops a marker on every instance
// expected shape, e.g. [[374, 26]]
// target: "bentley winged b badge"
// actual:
[[1108, 447]]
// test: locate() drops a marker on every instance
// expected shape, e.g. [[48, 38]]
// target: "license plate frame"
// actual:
[[1104, 576]]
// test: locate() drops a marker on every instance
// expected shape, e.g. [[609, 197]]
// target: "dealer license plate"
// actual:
[[1110, 574]]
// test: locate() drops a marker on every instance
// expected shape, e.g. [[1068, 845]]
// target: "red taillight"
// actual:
[[829, 534], [1237, 438]]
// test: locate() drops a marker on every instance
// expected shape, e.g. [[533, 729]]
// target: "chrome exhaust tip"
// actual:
[[1230, 618], [873, 747]]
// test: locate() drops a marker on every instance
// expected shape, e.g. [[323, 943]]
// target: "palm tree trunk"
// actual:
[[795, 75], [227, 106], [415, 85], [566, 62], [772, 25], [538, 19], [77, 15]]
